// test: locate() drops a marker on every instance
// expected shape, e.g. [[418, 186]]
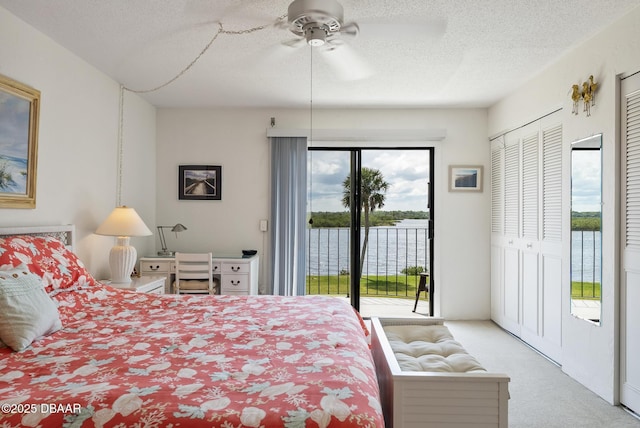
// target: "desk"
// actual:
[[237, 274]]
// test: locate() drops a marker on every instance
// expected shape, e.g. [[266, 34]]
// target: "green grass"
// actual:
[[404, 286], [585, 290], [401, 286]]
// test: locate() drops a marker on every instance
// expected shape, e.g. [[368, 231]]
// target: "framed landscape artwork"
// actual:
[[200, 182], [19, 112], [465, 178]]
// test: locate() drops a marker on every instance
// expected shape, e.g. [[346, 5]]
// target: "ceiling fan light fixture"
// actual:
[[315, 36]]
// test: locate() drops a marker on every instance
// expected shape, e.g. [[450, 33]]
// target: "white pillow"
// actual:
[[26, 311]]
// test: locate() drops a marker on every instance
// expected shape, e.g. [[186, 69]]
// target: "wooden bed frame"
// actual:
[[435, 399]]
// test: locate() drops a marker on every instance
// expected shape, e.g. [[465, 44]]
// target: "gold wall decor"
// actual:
[[19, 113], [587, 94]]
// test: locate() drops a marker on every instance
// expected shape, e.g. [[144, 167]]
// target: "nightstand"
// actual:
[[143, 284]]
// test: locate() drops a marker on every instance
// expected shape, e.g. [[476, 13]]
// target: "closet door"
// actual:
[[530, 252], [511, 251], [541, 237], [526, 227], [630, 275], [550, 286], [497, 229]]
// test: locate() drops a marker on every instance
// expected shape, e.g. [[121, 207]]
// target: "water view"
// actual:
[[394, 248], [585, 255], [391, 249]]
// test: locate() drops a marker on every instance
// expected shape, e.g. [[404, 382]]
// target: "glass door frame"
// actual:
[[356, 208]]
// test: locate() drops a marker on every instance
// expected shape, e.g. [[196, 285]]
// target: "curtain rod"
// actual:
[[436, 134]]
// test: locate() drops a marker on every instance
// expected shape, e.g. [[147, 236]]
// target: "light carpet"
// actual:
[[541, 394]]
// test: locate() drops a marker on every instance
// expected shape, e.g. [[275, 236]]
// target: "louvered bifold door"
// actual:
[[497, 228], [529, 257], [632, 179], [630, 278], [497, 194], [512, 190], [530, 187], [552, 184], [551, 246], [511, 251]]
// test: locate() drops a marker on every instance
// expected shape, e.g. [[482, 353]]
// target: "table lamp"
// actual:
[[163, 242], [123, 222]]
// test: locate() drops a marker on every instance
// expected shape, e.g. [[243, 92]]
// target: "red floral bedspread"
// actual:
[[127, 359]]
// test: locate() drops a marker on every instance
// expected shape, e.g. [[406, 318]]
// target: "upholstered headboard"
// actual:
[[65, 233]]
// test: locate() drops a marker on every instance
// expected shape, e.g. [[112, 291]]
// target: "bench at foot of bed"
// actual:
[[427, 379]]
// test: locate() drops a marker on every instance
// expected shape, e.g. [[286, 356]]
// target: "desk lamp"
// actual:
[[163, 242], [123, 222]]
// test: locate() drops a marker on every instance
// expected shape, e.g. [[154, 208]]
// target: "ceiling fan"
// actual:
[[320, 23]]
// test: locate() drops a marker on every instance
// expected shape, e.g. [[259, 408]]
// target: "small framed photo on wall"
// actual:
[[465, 178], [200, 182]]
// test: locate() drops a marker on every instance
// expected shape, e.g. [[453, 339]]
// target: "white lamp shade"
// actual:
[[123, 221]]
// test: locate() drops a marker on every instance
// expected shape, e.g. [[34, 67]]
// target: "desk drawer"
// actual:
[[153, 266], [217, 267], [234, 268], [234, 284]]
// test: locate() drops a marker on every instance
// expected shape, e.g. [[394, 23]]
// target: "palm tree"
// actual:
[[373, 189]]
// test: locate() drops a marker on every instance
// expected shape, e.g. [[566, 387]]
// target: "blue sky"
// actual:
[[586, 181], [406, 171], [14, 126]]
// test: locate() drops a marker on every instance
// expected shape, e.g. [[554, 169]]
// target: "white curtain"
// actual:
[[288, 214]]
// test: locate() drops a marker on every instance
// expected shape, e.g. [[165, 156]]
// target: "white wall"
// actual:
[[77, 147], [236, 139], [590, 353]]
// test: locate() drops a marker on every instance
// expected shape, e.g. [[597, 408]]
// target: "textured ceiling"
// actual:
[[409, 53]]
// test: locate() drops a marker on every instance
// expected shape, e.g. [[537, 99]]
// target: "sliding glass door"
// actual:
[[369, 221], [328, 246]]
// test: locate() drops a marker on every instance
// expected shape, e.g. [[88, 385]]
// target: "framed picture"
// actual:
[[465, 178], [19, 112], [200, 182]]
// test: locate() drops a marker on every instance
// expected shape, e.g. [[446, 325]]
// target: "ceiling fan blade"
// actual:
[[350, 30], [295, 43], [282, 23], [333, 41], [346, 63]]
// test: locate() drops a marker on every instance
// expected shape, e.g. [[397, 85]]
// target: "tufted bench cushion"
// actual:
[[429, 348], [427, 378]]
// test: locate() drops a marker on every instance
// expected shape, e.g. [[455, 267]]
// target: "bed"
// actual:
[[118, 358]]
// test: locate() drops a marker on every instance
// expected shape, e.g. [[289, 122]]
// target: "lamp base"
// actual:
[[122, 259], [167, 253]]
